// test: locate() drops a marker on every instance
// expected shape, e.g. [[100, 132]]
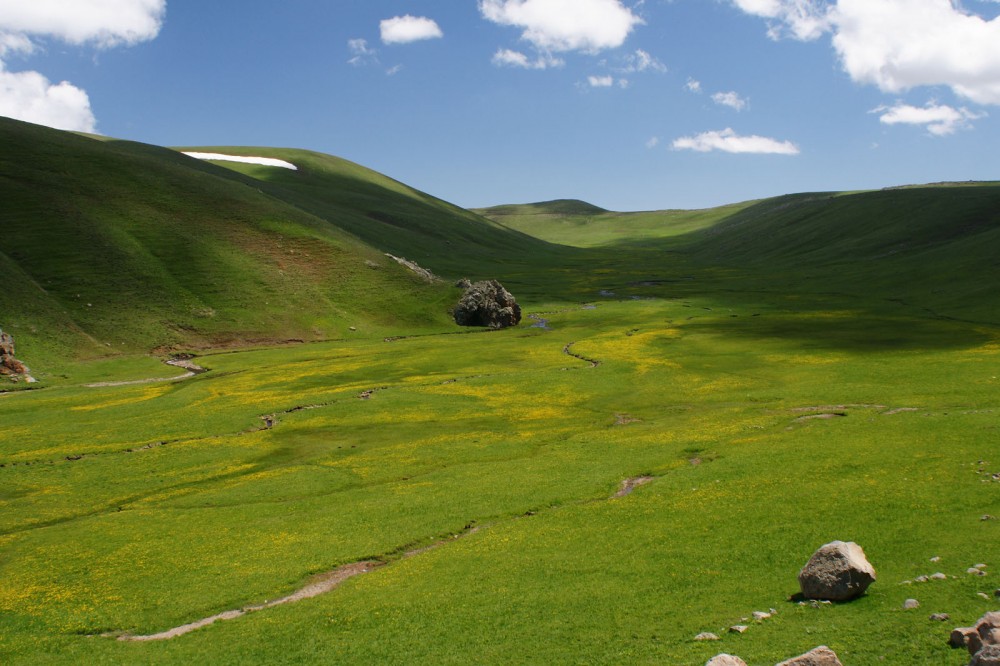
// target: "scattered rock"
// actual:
[[939, 617], [464, 283], [921, 579], [985, 634], [988, 656], [725, 660], [488, 304], [9, 365], [706, 636], [910, 604], [979, 566], [413, 266], [938, 576], [975, 571], [838, 571], [986, 516], [738, 628], [761, 615], [936, 559], [821, 656], [983, 595]]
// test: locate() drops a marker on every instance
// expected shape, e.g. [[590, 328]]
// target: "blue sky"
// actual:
[[627, 104]]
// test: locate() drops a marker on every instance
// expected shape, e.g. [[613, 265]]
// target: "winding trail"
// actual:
[[184, 363]]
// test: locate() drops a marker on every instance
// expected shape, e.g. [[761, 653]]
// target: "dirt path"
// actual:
[[183, 363]]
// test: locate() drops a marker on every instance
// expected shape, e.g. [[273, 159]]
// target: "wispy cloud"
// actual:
[[511, 58], [728, 141], [693, 85], [407, 29], [939, 119], [361, 53], [730, 99]]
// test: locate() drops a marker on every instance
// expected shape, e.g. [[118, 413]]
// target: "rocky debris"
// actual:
[[706, 636], [464, 283], [821, 656], [487, 304], [960, 636], [725, 660], [939, 617], [938, 576], [760, 616], [838, 571], [910, 604], [988, 656], [975, 571], [9, 365], [738, 629], [413, 266]]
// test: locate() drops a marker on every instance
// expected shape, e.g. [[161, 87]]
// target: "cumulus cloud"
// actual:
[[729, 141], [30, 95], [940, 120], [898, 45], [641, 61], [105, 23], [565, 25], [730, 99], [693, 85], [601, 81], [510, 58], [406, 29]]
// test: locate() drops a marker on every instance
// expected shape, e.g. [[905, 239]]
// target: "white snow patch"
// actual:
[[266, 161]]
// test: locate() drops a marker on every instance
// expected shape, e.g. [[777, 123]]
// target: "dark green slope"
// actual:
[[109, 246], [392, 216]]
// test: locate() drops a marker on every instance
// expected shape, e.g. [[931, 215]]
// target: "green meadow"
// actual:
[[780, 374]]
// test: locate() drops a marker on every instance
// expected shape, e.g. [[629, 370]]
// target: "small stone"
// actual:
[[936, 558], [761, 615], [975, 571], [910, 604], [938, 576], [983, 595], [821, 656], [738, 628], [706, 636], [940, 617], [725, 660], [921, 579], [979, 566], [986, 516]]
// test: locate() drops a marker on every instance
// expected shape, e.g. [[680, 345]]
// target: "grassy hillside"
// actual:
[[113, 247]]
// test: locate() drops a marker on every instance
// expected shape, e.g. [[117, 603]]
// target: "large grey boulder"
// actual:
[[8, 364], [821, 656], [838, 571], [488, 304], [725, 660]]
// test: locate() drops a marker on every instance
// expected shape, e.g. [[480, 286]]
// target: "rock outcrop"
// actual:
[[838, 571], [487, 304], [8, 364], [982, 640], [821, 656]]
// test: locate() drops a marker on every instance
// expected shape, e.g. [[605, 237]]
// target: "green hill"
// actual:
[[115, 247]]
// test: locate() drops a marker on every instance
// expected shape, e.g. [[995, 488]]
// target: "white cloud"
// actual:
[[245, 159], [898, 45], [940, 120], [601, 81], [31, 97], [902, 44], [509, 58], [565, 25], [105, 23], [803, 19], [693, 86], [728, 141], [730, 99], [406, 29], [652, 142]]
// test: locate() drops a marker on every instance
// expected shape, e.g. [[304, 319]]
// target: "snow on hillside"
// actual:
[[266, 161]]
